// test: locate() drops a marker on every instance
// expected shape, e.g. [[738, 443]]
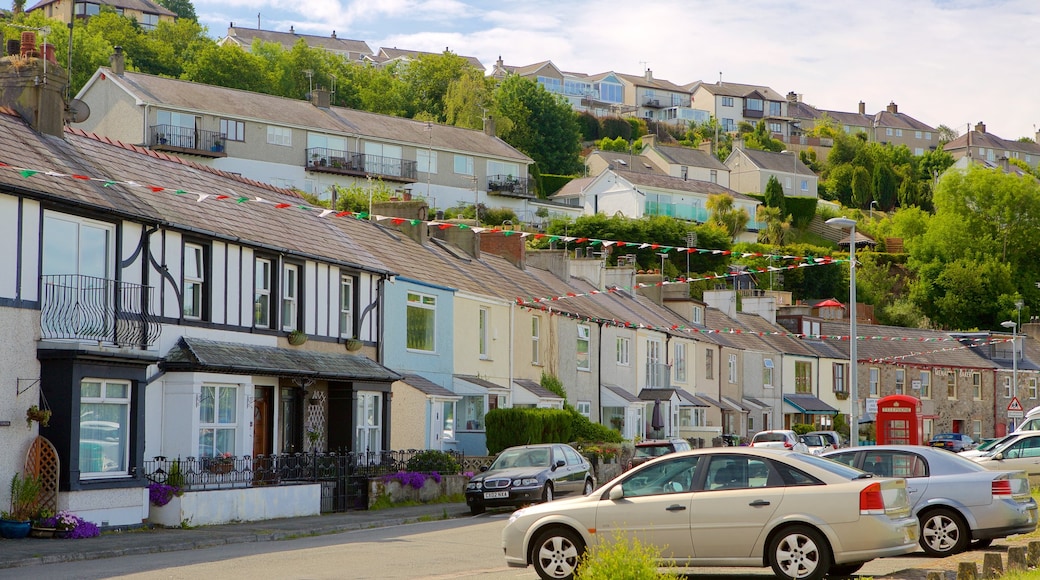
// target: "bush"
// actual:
[[512, 426], [582, 429], [620, 557], [431, 460]]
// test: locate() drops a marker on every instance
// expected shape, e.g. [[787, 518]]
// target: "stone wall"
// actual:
[[431, 490]]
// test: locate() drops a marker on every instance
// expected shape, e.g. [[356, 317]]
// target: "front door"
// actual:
[[262, 423]]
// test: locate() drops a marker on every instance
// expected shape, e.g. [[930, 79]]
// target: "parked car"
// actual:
[[837, 440], [802, 515], [1022, 452], [989, 445], [955, 499], [816, 444], [530, 474], [955, 442], [651, 448], [779, 439]]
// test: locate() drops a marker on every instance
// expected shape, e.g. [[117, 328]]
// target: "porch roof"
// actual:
[[615, 396], [809, 405], [428, 387], [201, 355]]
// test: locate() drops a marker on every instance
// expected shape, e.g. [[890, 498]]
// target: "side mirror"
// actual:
[[616, 493], [999, 456], [484, 467]]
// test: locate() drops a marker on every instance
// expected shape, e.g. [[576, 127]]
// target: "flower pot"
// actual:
[[220, 468], [296, 338], [36, 532], [353, 344], [13, 529]]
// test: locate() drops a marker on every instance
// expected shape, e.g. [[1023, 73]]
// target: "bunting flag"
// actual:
[[323, 212]]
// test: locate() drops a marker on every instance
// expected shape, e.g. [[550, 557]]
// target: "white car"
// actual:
[[803, 516], [1020, 453], [779, 439], [816, 444]]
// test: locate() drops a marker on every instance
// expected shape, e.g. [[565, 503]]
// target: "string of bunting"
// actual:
[[324, 212]]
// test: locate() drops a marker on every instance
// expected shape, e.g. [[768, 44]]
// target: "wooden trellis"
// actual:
[[42, 461]]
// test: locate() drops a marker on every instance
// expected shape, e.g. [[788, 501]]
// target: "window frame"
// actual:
[[198, 279], [900, 381], [976, 386], [874, 381], [126, 402], [709, 364], [732, 368], [484, 332], [926, 384], [426, 304], [536, 329], [347, 307], [623, 352], [679, 361], [291, 292], [467, 165], [803, 377], [233, 130], [768, 372], [217, 424], [262, 295], [583, 358], [280, 136]]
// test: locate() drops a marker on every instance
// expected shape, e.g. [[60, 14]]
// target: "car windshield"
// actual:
[[813, 440], [839, 469], [770, 437], [653, 450], [992, 443], [522, 458]]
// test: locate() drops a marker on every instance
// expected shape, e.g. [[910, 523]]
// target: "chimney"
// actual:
[[465, 239], [1005, 164], [862, 108], [333, 34], [892, 108], [1037, 138], [489, 126], [792, 97], [292, 30], [511, 247], [705, 146], [14, 46], [649, 140], [321, 98], [980, 127], [34, 88], [117, 61], [649, 75], [409, 211]]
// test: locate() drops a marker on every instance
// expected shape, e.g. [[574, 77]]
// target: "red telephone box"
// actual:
[[899, 421]]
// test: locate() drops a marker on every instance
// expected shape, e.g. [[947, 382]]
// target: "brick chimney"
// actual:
[[321, 98], [409, 211], [792, 97], [862, 108], [512, 247], [34, 88], [892, 107], [117, 61], [980, 127], [649, 75], [489, 126]]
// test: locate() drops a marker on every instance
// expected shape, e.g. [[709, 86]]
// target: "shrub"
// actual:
[[620, 558], [512, 426], [160, 494], [582, 429], [431, 460], [411, 478]]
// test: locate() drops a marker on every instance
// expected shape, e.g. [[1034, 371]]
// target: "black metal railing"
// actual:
[[181, 138], [511, 184], [337, 161], [343, 476], [74, 307]]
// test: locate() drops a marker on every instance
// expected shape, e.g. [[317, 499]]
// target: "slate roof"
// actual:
[[428, 387], [641, 81], [680, 184], [146, 6], [739, 90], [536, 389], [388, 54], [201, 355], [906, 346], [690, 156], [287, 40], [780, 162], [625, 395], [809, 404]]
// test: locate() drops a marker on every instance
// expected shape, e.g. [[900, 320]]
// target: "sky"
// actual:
[[943, 62]]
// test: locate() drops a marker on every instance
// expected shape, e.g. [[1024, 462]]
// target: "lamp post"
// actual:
[[873, 202], [1014, 346], [854, 374]]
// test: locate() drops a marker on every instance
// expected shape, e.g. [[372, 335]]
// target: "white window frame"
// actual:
[[732, 369], [951, 385], [290, 297], [679, 362], [653, 358], [840, 377], [976, 386], [767, 373], [900, 381], [536, 329], [346, 306], [623, 351], [212, 395], [875, 381], [463, 165], [281, 136], [584, 408], [584, 337], [105, 399], [926, 385], [426, 161], [424, 302], [1032, 387], [193, 305], [370, 405], [263, 281], [1007, 387], [483, 332]]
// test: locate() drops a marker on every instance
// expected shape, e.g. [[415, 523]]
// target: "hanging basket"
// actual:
[[297, 338], [353, 344]]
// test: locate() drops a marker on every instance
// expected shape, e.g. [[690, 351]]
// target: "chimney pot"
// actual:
[[14, 46], [980, 127], [862, 108], [28, 47], [117, 61], [893, 107], [333, 34]]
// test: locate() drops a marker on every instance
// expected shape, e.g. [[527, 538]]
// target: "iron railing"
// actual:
[[511, 184], [337, 161], [74, 307], [186, 138], [343, 476]]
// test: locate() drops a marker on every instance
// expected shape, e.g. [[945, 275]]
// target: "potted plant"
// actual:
[[25, 499], [221, 463], [297, 337], [353, 344], [43, 524], [35, 413]]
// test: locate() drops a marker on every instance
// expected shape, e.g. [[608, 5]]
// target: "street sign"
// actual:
[[1015, 410]]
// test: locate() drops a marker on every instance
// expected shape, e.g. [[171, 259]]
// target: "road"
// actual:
[[460, 548]]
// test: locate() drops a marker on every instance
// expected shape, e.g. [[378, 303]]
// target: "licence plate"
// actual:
[[496, 494]]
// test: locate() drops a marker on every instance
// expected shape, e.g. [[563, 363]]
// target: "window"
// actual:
[[582, 347], [448, 425], [463, 165], [551, 85], [1032, 388], [368, 416], [611, 92], [727, 101], [874, 381], [775, 127], [290, 297], [899, 132], [426, 161], [87, 9], [976, 429], [951, 386], [218, 420], [802, 377], [754, 104], [976, 386], [194, 281], [1007, 388], [709, 363], [104, 428], [888, 131], [584, 408], [767, 372], [840, 370], [654, 376], [927, 135], [900, 381], [233, 130], [917, 134], [732, 368], [483, 337], [422, 310], [714, 178], [471, 413], [684, 172], [622, 346], [926, 385], [262, 277], [346, 307], [279, 136], [83, 251], [804, 185], [774, 109], [535, 338], [729, 125], [680, 362], [148, 21], [928, 428]]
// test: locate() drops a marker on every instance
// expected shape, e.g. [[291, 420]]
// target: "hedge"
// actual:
[[510, 427]]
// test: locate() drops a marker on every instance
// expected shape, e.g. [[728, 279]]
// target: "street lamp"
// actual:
[[1014, 348], [854, 378], [873, 202]]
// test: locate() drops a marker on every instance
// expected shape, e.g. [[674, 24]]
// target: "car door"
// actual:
[[575, 469], [655, 507], [1023, 454], [740, 494], [896, 463]]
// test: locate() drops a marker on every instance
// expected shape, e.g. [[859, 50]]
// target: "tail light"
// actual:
[[870, 500], [787, 445], [1001, 487]]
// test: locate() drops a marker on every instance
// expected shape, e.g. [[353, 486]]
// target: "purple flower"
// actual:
[[411, 478], [160, 494]]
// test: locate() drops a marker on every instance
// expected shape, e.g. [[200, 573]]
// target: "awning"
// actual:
[[711, 401], [734, 405], [808, 405], [755, 404], [428, 387], [688, 399], [201, 355], [615, 396], [471, 385]]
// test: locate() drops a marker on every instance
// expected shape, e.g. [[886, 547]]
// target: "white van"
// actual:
[[1031, 422]]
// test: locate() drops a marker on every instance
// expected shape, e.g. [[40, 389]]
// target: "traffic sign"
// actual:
[[1015, 410]]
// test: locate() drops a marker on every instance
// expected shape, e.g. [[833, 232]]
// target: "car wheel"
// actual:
[[943, 533], [981, 544], [476, 508], [588, 487], [555, 553], [547, 493], [799, 553], [839, 570]]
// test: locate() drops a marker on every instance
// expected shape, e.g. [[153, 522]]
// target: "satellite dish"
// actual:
[[78, 111]]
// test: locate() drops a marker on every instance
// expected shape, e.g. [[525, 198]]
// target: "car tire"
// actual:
[[555, 553], [799, 553], [841, 570], [943, 533], [547, 493], [981, 544], [588, 487], [476, 508]]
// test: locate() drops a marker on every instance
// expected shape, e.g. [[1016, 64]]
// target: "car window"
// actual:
[[737, 472], [681, 446], [770, 437], [813, 440], [895, 464], [1027, 447], [572, 456], [663, 477], [848, 458], [792, 476]]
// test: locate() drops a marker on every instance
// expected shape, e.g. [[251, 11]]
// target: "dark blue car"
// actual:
[[955, 442]]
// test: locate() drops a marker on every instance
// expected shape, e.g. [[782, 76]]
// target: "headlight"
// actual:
[[525, 481], [517, 514], [473, 485]]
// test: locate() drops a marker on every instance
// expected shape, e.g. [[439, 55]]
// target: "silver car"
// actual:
[[1021, 452], [802, 515], [955, 499]]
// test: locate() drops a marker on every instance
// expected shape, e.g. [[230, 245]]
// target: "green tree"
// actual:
[[467, 98], [776, 225], [428, 79], [884, 185], [723, 214], [542, 127], [184, 9], [762, 139], [946, 134], [861, 187], [774, 196], [229, 66]]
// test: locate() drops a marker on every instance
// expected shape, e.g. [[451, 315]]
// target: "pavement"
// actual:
[[149, 540]]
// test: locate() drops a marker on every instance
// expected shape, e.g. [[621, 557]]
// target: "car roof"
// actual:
[[940, 461]]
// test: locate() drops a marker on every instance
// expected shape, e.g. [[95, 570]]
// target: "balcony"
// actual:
[[652, 103], [187, 140], [509, 185], [85, 308], [323, 160]]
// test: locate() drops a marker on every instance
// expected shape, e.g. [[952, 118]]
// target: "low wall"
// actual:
[[240, 504], [430, 491]]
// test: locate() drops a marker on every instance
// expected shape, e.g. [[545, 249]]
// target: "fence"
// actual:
[[344, 476]]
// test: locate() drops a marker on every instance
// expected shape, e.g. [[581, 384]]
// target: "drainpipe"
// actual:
[[512, 338], [144, 127]]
